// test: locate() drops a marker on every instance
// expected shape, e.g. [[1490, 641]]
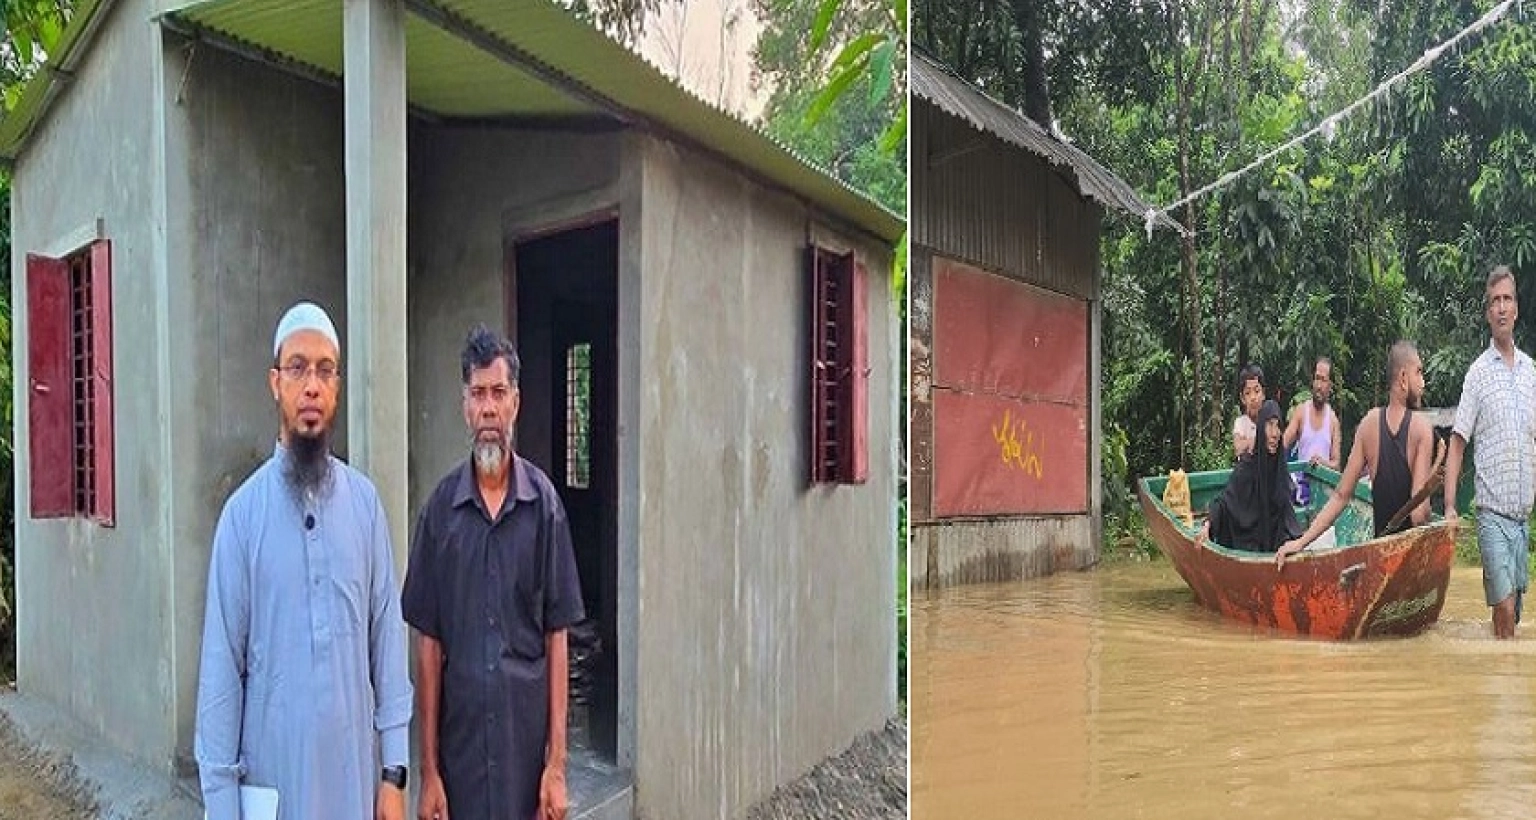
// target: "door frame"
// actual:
[[538, 222]]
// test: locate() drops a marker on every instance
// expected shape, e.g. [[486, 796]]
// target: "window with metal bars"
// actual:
[[839, 369], [82, 363], [578, 416], [69, 397]]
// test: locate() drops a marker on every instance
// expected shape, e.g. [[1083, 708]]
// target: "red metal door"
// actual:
[[1010, 396]]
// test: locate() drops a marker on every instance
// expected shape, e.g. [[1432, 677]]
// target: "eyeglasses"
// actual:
[[326, 372]]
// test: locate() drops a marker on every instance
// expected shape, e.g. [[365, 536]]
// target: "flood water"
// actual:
[[1111, 694]]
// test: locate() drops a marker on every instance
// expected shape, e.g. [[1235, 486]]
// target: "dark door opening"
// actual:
[[564, 317]]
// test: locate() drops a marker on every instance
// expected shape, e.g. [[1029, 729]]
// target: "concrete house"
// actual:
[[706, 322], [1005, 338]]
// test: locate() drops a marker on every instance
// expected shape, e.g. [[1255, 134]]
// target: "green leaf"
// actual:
[[829, 95], [49, 29], [823, 23], [899, 9], [894, 133], [899, 266], [880, 61], [856, 49], [23, 43]]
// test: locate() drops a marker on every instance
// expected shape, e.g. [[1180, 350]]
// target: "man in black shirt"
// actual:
[[491, 590]]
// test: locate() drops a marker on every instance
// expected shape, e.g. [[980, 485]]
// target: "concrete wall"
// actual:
[[95, 619], [256, 204], [766, 628], [470, 188]]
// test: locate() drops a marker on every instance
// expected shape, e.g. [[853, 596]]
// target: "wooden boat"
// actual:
[[1360, 587]]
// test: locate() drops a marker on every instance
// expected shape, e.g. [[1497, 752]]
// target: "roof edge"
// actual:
[[1074, 161], [842, 203], [37, 96]]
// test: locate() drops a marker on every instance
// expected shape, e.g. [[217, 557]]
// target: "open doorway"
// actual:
[[564, 317]]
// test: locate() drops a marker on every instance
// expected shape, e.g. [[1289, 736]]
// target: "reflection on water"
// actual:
[[1111, 694]]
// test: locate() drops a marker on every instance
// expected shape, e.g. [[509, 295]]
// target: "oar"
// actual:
[[1435, 482]]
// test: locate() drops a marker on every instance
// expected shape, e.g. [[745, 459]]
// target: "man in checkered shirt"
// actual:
[[1498, 409]]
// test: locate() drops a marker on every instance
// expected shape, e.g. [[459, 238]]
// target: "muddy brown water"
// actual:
[[1111, 694]]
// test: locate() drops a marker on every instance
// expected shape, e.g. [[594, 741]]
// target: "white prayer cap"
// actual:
[[304, 316]]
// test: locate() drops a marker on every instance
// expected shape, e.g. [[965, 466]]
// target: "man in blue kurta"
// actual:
[[491, 589], [304, 685]]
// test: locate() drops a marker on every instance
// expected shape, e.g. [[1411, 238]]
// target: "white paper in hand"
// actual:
[[257, 803]]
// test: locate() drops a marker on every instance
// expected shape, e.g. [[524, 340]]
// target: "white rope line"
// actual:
[[1330, 123]]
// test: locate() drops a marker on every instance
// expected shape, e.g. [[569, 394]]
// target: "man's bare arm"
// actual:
[[1336, 503], [1458, 446], [1293, 427], [1338, 441], [559, 684], [1423, 465], [429, 686]]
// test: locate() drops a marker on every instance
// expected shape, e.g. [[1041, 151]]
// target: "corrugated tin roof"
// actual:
[[937, 84], [17, 124], [482, 59]]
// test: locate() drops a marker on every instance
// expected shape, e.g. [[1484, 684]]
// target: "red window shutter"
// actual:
[[50, 399], [102, 466], [853, 400], [817, 320]]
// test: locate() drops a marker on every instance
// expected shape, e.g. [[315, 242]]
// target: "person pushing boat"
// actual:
[[1498, 411], [1395, 445]]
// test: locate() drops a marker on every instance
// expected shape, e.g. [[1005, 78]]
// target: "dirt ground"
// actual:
[[35, 786], [866, 782]]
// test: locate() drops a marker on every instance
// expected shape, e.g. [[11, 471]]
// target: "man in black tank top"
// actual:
[[1393, 483], [1396, 445]]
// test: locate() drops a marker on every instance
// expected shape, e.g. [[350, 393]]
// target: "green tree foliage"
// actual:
[[30, 28], [624, 20], [845, 135], [1383, 228]]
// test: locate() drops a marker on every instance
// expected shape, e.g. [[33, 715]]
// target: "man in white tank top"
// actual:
[[1314, 427]]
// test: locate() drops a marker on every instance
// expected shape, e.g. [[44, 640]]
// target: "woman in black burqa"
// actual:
[[1254, 512]]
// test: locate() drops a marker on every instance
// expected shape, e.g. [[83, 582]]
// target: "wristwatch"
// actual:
[[394, 776]]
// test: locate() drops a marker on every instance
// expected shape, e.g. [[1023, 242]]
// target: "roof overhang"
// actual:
[[942, 88], [520, 61], [51, 78]]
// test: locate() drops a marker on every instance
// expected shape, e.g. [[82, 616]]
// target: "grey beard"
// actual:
[[489, 457], [307, 465]]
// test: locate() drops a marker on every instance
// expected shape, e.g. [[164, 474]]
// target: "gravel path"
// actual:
[[868, 781]]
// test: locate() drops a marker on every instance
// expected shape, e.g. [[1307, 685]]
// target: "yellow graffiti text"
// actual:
[[1016, 445]]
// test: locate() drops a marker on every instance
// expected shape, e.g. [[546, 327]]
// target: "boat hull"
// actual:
[[1393, 585]]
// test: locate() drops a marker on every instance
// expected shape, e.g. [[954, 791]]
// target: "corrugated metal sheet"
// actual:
[[920, 388], [989, 551], [997, 455], [996, 335], [936, 84], [1009, 396], [503, 58], [980, 200]]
